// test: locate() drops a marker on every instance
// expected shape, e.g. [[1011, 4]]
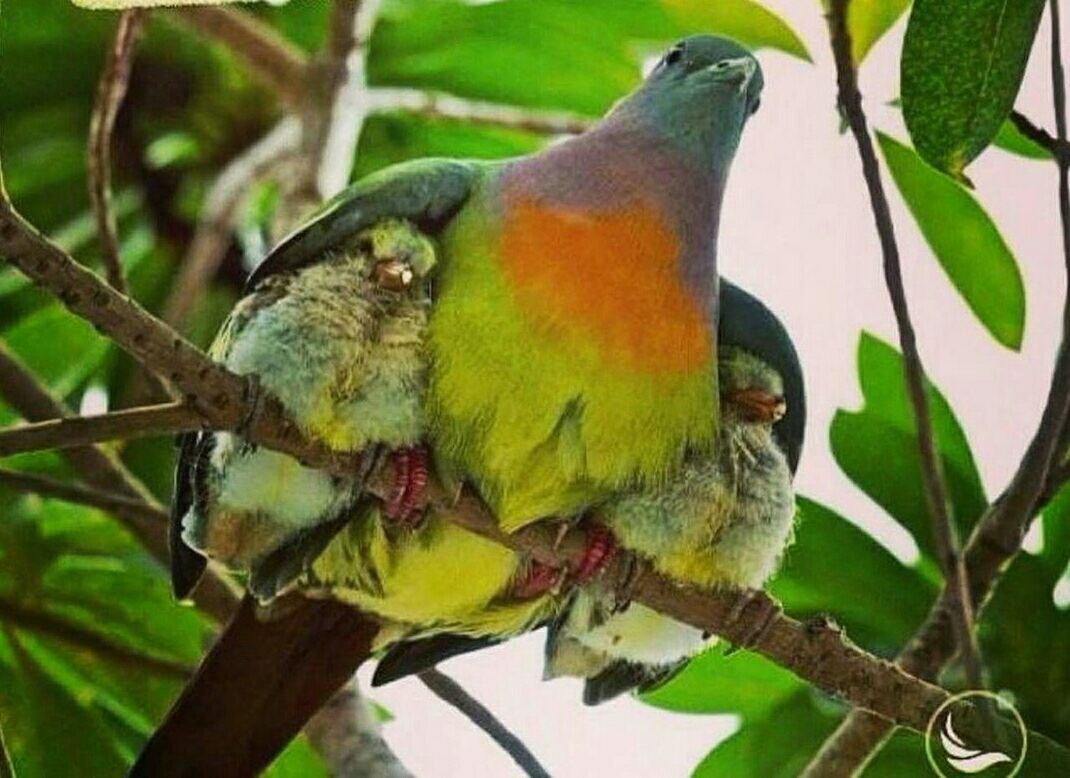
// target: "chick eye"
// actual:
[[675, 54]]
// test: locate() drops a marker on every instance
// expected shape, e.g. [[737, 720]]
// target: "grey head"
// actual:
[[697, 98]]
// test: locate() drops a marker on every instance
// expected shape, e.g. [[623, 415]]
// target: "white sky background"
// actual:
[[797, 232]]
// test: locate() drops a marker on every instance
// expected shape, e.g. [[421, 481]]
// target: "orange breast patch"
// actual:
[[611, 275]]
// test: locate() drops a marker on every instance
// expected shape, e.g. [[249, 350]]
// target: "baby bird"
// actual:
[[723, 520], [341, 344]]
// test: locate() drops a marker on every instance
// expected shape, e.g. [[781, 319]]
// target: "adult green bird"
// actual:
[[572, 334]]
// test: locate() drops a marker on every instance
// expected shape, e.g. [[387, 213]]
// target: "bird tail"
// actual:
[[256, 688]]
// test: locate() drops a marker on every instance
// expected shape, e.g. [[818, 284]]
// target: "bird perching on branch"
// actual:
[[571, 334]]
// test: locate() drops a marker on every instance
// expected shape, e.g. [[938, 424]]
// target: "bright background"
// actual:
[[797, 231]]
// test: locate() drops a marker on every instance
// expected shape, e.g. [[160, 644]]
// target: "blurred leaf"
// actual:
[[298, 761], [172, 148], [60, 348], [965, 241], [1009, 138], [396, 137], [962, 66], [743, 20], [1056, 526], [877, 448], [1025, 640], [92, 647], [875, 597]]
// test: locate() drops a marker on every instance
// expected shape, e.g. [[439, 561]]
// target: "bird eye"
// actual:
[[676, 53]]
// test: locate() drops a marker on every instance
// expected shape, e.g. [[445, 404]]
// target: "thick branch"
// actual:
[[110, 93], [347, 735], [274, 60], [451, 692], [71, 432], [997, 537], [939, 506]]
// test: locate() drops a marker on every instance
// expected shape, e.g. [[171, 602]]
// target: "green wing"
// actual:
[[427, 192]]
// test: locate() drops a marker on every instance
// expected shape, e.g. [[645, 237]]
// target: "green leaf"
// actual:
[[778, 745], [298, 761], [877, 448], [965, 241], [747, 22], [1009, 138], [868, 20], [741, 683], [875, 597], [961, 69], [1056, 526], [92, 646], [1025, 640]]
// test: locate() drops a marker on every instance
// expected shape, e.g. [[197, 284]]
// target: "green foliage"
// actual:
[[868, 20], [961, 69], [964, 239], [1009, 138], [877, 448]]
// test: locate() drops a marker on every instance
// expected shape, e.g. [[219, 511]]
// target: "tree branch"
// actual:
[[346, 734], [1038, 135], [44, 623], [130, 509], [275, 61], [71, 432], [445, 106], [102, 470], [215, 224], [451, 692], [110, 93], [998, 535], [818, 653], [939, 506]]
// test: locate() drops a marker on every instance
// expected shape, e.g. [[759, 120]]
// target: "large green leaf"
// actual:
[[92, 647], [965, 240], [876, 598], [877, 448], [961, 69]]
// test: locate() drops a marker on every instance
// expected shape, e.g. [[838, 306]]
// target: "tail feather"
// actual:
[[256, 688]]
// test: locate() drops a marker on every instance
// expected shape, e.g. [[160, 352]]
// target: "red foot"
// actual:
[[601, 545], [410, 482], [538, 580]]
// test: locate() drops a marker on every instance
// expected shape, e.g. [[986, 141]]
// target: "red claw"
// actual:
[[537, 580], [410, 476], [601, 546]]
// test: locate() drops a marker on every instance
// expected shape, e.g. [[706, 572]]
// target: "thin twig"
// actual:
[[939, 506], [998, 535], [1038, 134], [131, 508], [7, 770], [18, 615], [110, 93], [445, 106], [274, 60], [215, 224], [451, 692], [74, 431]]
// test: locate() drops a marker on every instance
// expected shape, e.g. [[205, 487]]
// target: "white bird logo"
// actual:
[[963, 758]]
